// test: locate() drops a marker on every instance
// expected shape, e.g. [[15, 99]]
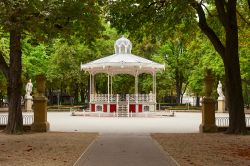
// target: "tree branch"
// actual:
[[151, 4], [221, 11], [209, 13], [208, 31], [3, 65], [242, 17], [156, 2]]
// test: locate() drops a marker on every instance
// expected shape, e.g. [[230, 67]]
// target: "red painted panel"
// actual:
[[132, 108], [112, 107], [140, 107], [104, 107], [92, 107]]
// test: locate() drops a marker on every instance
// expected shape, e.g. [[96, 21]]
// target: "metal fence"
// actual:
[[27, 119], [224, 121]]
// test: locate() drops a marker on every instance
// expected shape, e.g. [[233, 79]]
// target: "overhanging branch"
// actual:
[[208, 31], [209, 13]]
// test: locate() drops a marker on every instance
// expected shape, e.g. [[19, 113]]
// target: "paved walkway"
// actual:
[[125, 150], [181, 123]]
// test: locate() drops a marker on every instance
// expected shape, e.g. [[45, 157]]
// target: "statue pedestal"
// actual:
[[40, 123], [221, 104], [208, 116], [28, 103], [40, 115]]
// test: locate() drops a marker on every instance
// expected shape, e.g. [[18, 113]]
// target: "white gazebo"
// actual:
[[122, 62]]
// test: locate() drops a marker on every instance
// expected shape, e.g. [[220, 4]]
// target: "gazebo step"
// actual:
[[122, 111]]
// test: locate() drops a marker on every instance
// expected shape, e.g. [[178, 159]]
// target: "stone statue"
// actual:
[[28, 88], [219, 90]]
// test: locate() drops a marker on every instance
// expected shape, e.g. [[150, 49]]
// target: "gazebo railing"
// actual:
[[114, 97], [102, 98]]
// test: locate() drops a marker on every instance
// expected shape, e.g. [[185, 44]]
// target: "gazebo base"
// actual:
[[114, 107], [157, 114]]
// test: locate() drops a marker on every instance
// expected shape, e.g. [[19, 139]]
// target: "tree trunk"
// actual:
[[197, 104], [178, 87], [51, 96], [246, 94], [15, 119], [178, 94], [82, 94], [181, 99], [61, 94], [226, 102], [1, 99], [76, 93], [234, 96]]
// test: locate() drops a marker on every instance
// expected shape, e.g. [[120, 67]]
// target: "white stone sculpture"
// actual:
[[28, 97], [219, 90], [28, 88], [221, 98]]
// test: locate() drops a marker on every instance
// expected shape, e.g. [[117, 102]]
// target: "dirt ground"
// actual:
[[206, 149], [63, 149], [43, 149]]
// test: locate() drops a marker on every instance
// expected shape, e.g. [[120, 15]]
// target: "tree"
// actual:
[[153, 17], [65, 58], [177, 61], [203, 57], [42, 20], [64, 67]]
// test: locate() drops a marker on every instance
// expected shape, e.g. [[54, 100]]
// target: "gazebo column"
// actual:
[[136, 94], [90, 90], [93, 84], [90, 83], [108, 105], [111, 87], [154, 90]]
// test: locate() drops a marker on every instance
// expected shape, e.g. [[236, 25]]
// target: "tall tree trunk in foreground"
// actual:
[[226, 93], [232, 71], [15, 119], [229, 54]]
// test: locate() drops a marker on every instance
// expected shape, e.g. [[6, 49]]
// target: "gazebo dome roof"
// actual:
[[122, 62], [123, 46]]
